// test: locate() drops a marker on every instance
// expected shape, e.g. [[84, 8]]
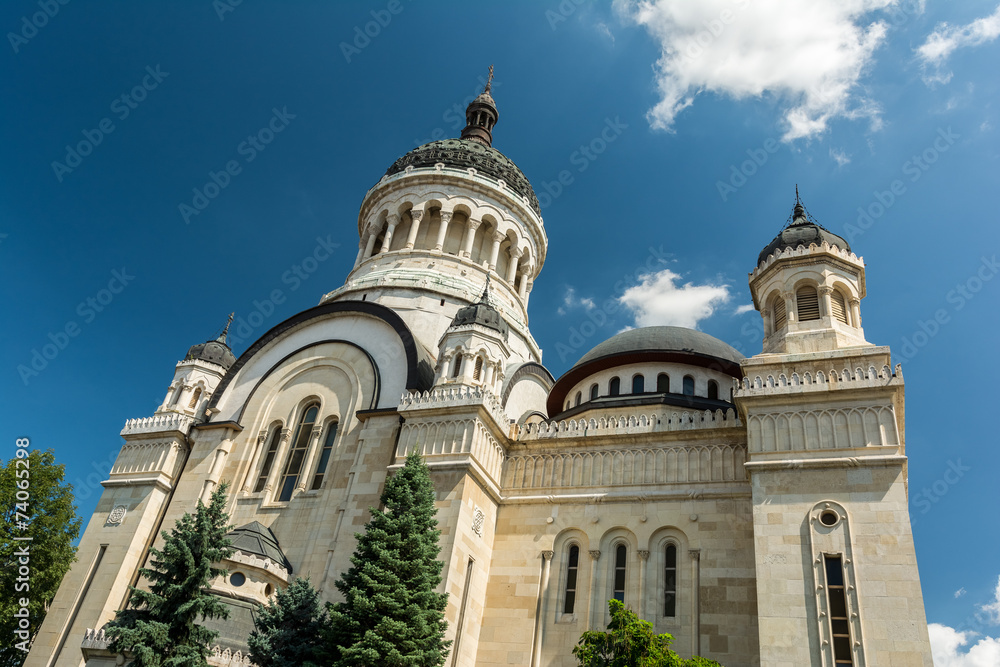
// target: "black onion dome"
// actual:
[[214, 351], [463, 154], [801, 231], [482, 313]]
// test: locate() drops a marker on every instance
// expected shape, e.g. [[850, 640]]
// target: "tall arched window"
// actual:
[[778, 313], [594, 391], [663, 383], [457, 368], [614, 387], [807, 303], [713, 390], [670, 581], [478, 370], [838, 306], [579, 397], [621, 553], [324, 456], [688, 385], [194, 398], [572, 568], [638, 384], [272, 450], [300, 442]]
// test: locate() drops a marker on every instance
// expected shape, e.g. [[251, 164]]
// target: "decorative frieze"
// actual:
[[158, 424], [802, 430], [818, 381], [683, 421], [457, 396]]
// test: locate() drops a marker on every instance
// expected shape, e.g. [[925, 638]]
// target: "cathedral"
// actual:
[[754, 508]]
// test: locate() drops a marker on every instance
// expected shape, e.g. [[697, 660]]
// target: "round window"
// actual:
[[829, 518], [237, 579]]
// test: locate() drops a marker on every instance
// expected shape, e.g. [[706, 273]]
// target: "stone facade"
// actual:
[[753, 508]]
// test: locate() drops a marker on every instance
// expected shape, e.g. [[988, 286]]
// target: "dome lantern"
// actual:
[[481, 115]]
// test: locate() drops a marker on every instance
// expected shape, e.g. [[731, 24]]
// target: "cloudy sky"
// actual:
[[664, 139]]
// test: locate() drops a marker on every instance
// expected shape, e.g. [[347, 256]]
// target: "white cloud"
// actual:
[[947, 38], [993, 608], [960, 592], [809, 55], [572, 302], [659, 300], [745, 308], [946, 646], [603, 29], [840, 157]]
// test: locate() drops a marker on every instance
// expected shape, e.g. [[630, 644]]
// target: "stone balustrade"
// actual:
[[818, 381], [683, 421], [158, 424]]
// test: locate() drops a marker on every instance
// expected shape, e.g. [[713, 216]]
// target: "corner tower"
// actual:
[[444, 217]]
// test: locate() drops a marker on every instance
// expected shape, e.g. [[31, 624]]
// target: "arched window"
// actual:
[[713, 390], [663, 383], [594, 390], [272, 450], [177, 394], [324, 455], [670, 582], [300, 442], [579, 397], [194, 398], [478, 370], [572, 568], [838, 306], [638, 384], [778, 312], [619, 580], [614, 387], [807, 303], [457, 368], [688, 385]]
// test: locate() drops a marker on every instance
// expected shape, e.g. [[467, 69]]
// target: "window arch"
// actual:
[[713, 390], [272, 450], [194, 398], [663, 383], [324, 455], [807, 303], [177, 394], [688, 385], [615, 386], [478, 370], [618, 581], [297, 453], [779, 316], [838, 306], [457, 368], [670, 581], [594, 391], [572, 570], [638, 384], [579, 397]]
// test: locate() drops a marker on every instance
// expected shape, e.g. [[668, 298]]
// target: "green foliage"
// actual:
[[289, 629], [160, 626], [630, 642], [52, 525], [392, 615]]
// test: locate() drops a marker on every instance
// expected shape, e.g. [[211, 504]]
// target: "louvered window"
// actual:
[[780, 316], [839, 308], [478, 370], [808, 303]]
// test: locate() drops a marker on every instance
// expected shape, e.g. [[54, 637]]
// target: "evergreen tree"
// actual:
[[160, 626], [630, 642], [44, 511], [289, 629], [392, 615]]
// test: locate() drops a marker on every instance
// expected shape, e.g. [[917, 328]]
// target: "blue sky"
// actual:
[[682, 131]]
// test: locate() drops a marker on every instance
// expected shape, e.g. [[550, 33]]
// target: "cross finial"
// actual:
[[797, 194], [489, 80], [225, 329]]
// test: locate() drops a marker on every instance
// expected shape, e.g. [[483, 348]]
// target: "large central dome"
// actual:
[[465, 154]]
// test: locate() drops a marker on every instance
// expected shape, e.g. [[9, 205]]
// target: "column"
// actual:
[[306, 471], [643, 559], [542, 608], [527, 293], [596, 599], [442, 231], [515, 255], [522, 288], [495, 250], [856, 313], [361, 253], [250, 479], [825, 301], [370, 246], [279, 459], [791, 314], [768, 322], [470, 236], [695, 555], [415, 215], [393, 220], [488, 375]]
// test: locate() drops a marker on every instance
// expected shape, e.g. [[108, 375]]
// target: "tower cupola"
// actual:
[[474, 350], [198, 374], [481, 115]]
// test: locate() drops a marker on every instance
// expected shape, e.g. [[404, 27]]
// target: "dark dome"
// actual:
[[662, 339], [463, 154], [802, 231], [484, 315], [257, 539], [214, 352]]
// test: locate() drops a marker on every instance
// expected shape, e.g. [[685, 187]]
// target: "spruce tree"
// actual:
[[160, 626], [289, 629], [392, 615]]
